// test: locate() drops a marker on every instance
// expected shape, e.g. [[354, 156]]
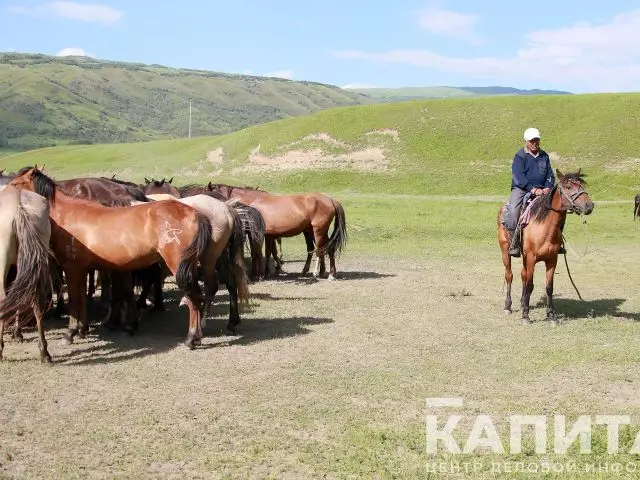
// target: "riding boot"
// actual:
[[514, 246]]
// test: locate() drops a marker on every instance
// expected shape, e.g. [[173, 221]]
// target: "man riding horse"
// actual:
[[531, 173]]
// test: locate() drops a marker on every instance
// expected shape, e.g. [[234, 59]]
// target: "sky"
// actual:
[[579, 47]]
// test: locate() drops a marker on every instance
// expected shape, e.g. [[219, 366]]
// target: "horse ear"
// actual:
[[161, 182], [170, 180], [209, 186], [113, 177], [579, 170], [146, 180], [559, 174], [2, 172]]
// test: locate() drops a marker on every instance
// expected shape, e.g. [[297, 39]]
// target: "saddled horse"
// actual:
[[230, 267], [87, 235], [289, 215], [542, 237], [25, 231]]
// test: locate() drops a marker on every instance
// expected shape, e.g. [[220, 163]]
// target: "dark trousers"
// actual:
[[515, 205]]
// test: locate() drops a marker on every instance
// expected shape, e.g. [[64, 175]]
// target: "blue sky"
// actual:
[[566, 45]]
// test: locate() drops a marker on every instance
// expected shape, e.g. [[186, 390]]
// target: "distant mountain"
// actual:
[[47, 100], [414, 93]]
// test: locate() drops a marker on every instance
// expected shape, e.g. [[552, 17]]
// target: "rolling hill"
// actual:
[[443, 147], [48, 100], [414, 93]]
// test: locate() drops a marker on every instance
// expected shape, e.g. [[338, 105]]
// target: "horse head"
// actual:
[[574, 197], [32, 179]]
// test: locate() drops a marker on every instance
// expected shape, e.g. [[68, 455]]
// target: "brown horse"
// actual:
[[636, 207], [87, 235], [289, 215], [542, 237]]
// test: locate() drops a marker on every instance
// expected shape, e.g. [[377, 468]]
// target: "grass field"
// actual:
[[331, 379]]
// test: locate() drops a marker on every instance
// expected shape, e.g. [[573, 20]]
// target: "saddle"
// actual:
[[525, 211]]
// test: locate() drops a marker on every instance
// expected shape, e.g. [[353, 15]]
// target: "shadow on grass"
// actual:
[[574, 309], [163, 331]]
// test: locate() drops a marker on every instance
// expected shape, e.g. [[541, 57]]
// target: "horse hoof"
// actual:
[[554, 322], [18, 338], [507, 311], [68, 339], [525, 321], [46, 358], [197, 342], [189, 343], [331, 277]]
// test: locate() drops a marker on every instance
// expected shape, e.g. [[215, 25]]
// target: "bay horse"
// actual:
[[87, 235], [25, 231], [227, 233], [289, 215], [542, 237]]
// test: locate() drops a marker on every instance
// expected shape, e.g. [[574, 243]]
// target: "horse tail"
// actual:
[[33, 283], [187, 273], [636, 208], [236, 258], [338, 238], [252, 223]]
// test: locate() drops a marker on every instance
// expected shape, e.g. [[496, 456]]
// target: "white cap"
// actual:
[[531, 133]]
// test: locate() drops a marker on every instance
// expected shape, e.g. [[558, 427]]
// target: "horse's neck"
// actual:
[[557, 213]]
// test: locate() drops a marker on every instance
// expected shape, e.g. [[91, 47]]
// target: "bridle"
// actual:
[[570, 198]]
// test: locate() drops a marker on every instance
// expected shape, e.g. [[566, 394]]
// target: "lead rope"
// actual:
[[564, 240]]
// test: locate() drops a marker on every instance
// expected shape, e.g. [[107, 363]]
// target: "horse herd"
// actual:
[[54, 233]]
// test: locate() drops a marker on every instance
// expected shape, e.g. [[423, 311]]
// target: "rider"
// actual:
[[531, 172]]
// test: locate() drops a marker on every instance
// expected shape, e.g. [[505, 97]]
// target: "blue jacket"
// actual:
[[529, 172]]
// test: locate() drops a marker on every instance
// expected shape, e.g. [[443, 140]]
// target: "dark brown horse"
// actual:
[[87, 235], [636, 207], [289, 215], [542, 237]]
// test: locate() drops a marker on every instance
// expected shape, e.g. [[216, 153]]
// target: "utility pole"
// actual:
[[189, 118]]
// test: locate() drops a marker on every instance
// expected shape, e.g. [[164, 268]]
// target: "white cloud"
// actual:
[[288, 74], [448, 23], [602, 57], [84, 12], [72, 52]]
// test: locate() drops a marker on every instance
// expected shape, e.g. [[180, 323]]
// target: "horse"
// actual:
[[25, 231], [636, 207], [291, 215], [227, 230], [87, 235], [160, 186], [542, 237], [252, 220]]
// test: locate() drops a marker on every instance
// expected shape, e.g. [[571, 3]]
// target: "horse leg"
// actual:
[[77, 283], [321, 238], [508, 277], [195, 327], [17, 331], [269, 246], [551, 269], [308, 238], [528, 265], [92, 285], [257, 260], [157, 274], [42, 341], [1, 337]]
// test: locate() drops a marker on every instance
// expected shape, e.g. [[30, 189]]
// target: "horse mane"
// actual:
[[542, 206], [42, 184], [190, 186]]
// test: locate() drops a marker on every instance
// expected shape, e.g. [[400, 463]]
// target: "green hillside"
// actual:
[[447, 146], [48, 100], [414, 93]]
